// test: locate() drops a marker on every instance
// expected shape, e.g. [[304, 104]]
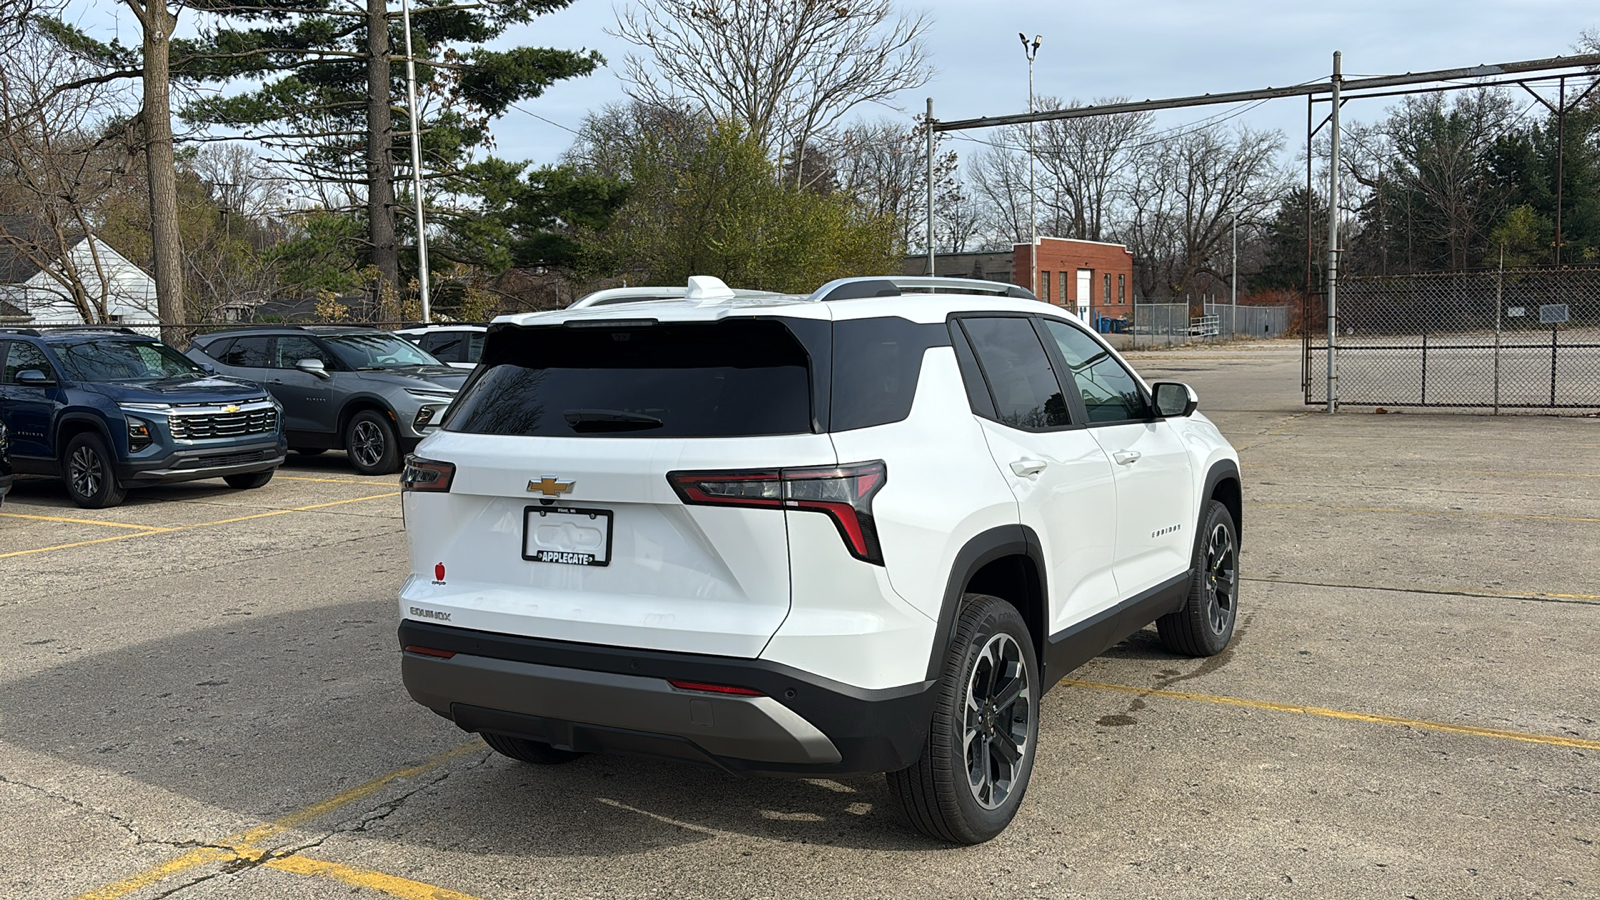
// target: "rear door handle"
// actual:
[[1025, 467], [1126, 457]]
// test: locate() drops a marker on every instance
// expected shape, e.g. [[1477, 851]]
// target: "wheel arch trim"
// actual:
[[979, 551]]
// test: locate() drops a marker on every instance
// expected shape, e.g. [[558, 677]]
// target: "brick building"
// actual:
[[1092, 278], [1088, 277]]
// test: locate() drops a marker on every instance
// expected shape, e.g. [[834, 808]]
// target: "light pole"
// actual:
[[416, 165], [1031, 51], [1233, 268]]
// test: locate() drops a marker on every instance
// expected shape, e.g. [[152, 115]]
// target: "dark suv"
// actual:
[[108, 409], [358, 389]]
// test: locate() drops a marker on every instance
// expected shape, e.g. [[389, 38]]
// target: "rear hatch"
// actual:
[[560, 520]]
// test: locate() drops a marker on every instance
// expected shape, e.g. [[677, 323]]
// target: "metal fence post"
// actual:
[[1499, 304]]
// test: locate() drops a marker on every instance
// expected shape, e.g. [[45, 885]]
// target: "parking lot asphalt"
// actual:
[[200, 697]]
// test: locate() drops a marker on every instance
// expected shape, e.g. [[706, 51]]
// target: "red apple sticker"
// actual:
[[438, 571]]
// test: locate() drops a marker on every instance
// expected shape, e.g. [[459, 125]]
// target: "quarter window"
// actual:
[[1021, 381], [1110, 392]]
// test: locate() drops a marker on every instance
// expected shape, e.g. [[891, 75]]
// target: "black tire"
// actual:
[[87, 469], [964, 789], [370, 440], [311, 451], [1204, 625], [249, 480], [524, 750]]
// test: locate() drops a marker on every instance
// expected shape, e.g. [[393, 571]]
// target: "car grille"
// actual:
[[252, 419], [217, 460]]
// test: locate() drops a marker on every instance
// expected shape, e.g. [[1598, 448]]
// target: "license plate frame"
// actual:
[[532, 514]]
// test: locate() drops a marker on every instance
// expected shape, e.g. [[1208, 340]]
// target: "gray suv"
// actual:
[[358, 389]]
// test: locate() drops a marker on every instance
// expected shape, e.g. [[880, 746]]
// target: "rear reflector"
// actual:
[[714, 688], [843, 493], [429, 651]]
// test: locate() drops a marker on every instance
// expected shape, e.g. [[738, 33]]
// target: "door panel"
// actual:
[[29, 410], [1060, 476], [307, 400], [1155, 506]]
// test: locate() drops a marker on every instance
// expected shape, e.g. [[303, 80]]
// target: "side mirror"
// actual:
[[208, 368], [1174, 399], [34, 378], [314, 366]]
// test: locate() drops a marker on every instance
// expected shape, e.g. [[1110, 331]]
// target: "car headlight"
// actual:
[[139, 435], [145, 407], [438, 396]]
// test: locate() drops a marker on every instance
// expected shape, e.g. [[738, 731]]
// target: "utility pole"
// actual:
[[1032, 51], [931, 273], [1333, 241], [416, 166]]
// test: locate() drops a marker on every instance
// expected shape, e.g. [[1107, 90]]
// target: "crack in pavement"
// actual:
[[120, 821]]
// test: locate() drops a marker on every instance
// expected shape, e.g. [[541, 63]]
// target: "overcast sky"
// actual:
[[1140, 49]]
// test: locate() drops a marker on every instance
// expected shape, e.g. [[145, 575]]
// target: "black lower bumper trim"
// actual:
[[873, 730]]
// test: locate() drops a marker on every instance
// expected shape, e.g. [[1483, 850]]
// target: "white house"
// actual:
[[129, 291]]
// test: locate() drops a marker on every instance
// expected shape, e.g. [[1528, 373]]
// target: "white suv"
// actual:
[[859, 531]]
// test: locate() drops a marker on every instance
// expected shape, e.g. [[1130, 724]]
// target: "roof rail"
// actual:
[[114, 329], [14, 329], [897, 285]]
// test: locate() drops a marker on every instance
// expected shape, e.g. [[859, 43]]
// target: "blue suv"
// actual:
[[107, 409]]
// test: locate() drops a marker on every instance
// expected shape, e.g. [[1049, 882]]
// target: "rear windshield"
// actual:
[[735, 378]]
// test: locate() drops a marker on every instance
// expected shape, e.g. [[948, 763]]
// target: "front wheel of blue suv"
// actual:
[[90, 472]]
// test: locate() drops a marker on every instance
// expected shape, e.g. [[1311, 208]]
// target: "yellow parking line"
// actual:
[[242, 844], [118, 537], [389, 884], [1429, 512], [1526, 736], [280, 512], [77, 521], [154, 530]]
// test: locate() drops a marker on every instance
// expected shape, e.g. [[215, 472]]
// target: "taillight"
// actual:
[[427, 475], [844, 493]]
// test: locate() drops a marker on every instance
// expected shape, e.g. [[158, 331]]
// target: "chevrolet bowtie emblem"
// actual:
[[549, 486], [230, 409]]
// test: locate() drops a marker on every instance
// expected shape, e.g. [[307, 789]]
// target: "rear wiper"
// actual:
[[609, 420]]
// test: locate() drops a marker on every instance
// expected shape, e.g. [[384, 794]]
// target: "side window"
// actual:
[[446, 346], [1110, 392], [293, 349], [249, 352], [21, 357], [475, 346], [1021, 381], [216, 349]]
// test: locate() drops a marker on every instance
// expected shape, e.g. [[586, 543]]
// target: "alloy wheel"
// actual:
[[86, 471], [998, 712], [367, 443], [1222, 578]]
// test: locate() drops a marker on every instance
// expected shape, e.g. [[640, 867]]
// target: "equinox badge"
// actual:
[[549, 486]]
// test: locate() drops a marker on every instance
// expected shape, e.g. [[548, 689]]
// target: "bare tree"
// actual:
[[999, 180], [884, 165], [244, 184], [789, 70], [57, 165], [1083, 161]]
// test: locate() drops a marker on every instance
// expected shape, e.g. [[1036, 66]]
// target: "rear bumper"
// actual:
[[210, 462], [614, 699]]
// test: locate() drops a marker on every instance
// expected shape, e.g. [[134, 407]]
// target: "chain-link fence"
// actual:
[[1525, 338], [1249, 321], [1171, 324]]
